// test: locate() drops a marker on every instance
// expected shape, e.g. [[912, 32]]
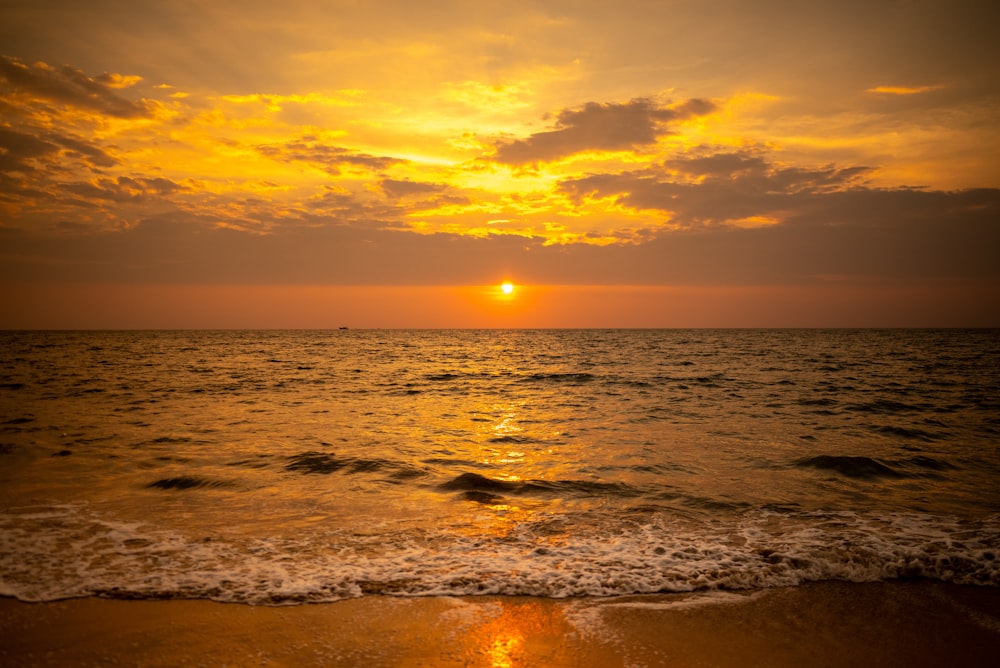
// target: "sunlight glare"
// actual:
[[507, 287]]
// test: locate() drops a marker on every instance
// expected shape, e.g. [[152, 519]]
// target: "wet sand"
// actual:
[[823, 624]]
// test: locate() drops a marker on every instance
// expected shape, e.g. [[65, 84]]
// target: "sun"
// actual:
[[507, 287]]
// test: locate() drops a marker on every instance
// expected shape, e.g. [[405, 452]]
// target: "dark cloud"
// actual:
[[396, 188], [90, 153], [886, 236], [331, 159], [53, 181], [123, 189], [609, 127], [157, 185], [69, 86], [31, 153], [341, 207], [31, 162], [732, 188], [719, 164], [18, 149]]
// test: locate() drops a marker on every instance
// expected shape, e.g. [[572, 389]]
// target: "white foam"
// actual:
[[586, 616], [698, 600], [70, 551]]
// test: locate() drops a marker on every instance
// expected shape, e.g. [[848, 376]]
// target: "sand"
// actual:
[[823, 624]]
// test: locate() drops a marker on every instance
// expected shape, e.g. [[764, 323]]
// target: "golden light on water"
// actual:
[[503, 651], [510, 634]]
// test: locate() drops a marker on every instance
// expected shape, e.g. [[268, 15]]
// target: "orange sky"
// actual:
[[316, 164]]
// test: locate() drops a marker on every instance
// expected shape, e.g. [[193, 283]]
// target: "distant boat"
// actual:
[[343, 327]]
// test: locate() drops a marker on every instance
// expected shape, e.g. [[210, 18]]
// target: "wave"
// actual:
[[186, 482], [62, 552], [852, 467], [884, 406], [511, 438], [437, 377], [570, 378], [476, 483], [19, 420], [540, 377], [865, 467], [903, 432], [323, 463], [925, 462]]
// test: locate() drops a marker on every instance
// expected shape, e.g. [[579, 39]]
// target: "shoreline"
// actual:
[[911, 623]]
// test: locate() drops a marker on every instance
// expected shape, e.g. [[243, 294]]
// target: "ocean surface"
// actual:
[[285, 467]]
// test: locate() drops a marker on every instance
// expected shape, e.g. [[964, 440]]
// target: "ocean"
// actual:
[[288, 467]]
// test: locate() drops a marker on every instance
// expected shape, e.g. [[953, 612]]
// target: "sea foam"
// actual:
[[69, 551]]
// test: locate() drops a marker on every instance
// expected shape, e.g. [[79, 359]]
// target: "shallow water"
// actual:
[[282, 467]]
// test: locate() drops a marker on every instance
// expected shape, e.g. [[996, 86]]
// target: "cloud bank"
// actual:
[[599, 127], [66, 85]]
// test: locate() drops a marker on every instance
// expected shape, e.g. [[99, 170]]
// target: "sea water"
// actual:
[[282, 467]]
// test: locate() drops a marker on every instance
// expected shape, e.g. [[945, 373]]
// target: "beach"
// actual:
[[819, 624]]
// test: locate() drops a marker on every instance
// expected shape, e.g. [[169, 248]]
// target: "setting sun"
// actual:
[[507, 287]]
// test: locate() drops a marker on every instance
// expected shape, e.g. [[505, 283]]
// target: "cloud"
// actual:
[[29, 160], [596, 126], [155, 186], [855, 235], [902, 90], [88, 152], [66, 85], [720, 164], [735, 188], [396, 188], [124, 189], [331, 159], [18, 149]]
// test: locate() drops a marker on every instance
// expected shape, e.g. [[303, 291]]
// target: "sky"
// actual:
[[310, 163]]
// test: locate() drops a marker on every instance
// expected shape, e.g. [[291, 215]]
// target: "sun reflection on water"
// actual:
[[505, 429], [503, 650], [503, 639]]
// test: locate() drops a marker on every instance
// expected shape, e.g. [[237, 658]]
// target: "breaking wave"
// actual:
[[62, 552]]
